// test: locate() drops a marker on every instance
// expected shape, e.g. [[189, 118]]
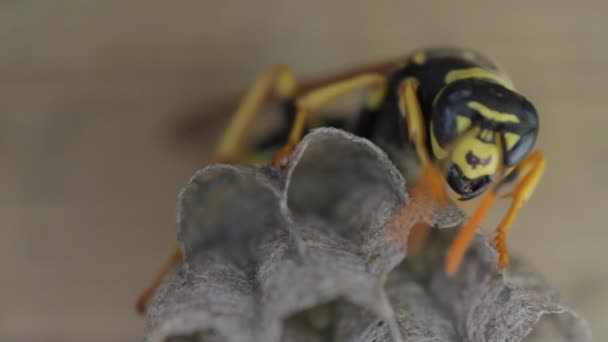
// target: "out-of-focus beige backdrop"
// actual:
[[90, 93]]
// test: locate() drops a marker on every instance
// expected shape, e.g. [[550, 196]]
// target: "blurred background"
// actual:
[[92, 95]]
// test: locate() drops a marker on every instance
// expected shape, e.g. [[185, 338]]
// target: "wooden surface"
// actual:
[[90, 93]]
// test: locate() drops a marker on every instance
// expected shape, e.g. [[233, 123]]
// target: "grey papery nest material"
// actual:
[[307, 254]]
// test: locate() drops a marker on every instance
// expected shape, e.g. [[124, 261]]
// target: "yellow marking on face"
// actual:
[[493, 114], [462, 123], [482, 150], [438, 151], [419, 57], [461, 74], [511, 139]]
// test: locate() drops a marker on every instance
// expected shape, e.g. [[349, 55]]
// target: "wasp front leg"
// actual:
[[466, 234], [144, 298], [535, 163], [535, 166], [429, 187], [431, 178]]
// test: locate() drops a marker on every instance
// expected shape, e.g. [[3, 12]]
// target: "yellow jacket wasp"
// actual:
[[468, 125]]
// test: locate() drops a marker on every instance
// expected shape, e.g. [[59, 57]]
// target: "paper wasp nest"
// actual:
[[304, 255]]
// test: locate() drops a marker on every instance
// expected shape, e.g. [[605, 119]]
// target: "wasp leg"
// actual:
[[466, 234], [429, 188], [431, 178], [144, 298], [411, 112], [282, 80], [417, 238], [535, 162], [315, 99]]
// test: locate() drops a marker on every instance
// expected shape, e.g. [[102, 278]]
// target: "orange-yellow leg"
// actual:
[[461, 243], [429, 187], [466, 234], [315, 99], [417, 238], [431, 178], [144, 298], [280, 79], [535, 163]]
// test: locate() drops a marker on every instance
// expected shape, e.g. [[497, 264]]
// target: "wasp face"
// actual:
[[472, 166], [484, 126]]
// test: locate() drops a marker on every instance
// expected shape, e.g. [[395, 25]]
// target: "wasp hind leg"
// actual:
[[278, 78]]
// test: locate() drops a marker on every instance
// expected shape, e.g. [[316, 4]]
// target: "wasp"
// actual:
[[472, 131]]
